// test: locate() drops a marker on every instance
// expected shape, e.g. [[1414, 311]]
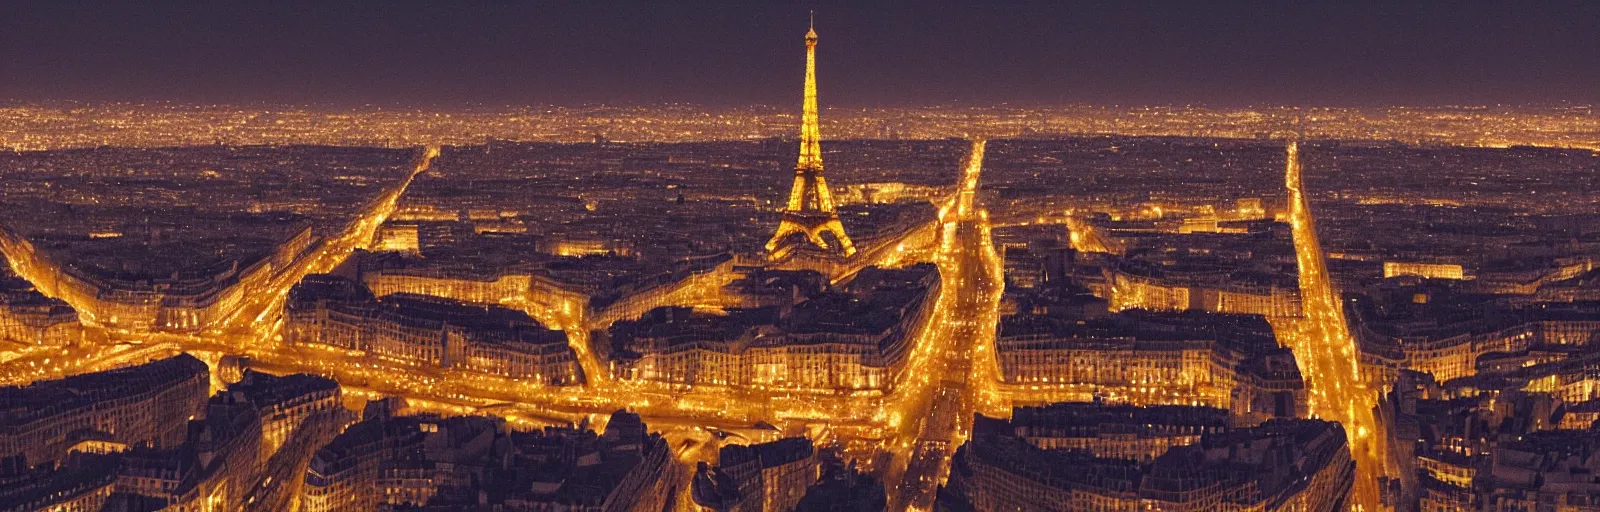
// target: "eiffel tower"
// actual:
[[810, 211]]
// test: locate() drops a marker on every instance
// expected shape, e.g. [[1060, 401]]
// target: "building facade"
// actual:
[[415, 329], [145, 405]]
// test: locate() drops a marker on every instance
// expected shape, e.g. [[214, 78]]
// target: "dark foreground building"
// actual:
[[146, 405], [1281, 464]]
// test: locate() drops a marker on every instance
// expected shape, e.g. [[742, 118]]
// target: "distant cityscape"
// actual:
[[32, 127], [954, 308]]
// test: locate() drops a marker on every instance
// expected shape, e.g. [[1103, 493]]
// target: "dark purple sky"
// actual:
[[735, 53]]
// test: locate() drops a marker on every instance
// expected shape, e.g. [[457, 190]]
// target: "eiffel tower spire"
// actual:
[[810, 134], [810, 209]]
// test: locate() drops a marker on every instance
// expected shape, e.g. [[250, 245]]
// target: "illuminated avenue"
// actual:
[[355, 311], [936, 406], [1327, 351]]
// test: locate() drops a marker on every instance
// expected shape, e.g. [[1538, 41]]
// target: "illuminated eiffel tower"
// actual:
[[810, 211]]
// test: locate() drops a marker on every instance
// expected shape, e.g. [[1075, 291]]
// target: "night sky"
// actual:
[[446, 54]]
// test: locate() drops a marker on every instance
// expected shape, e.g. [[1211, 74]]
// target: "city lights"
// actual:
[[469, 303]]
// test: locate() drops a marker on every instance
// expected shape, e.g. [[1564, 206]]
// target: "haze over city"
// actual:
[[720, 54], [805, 256]]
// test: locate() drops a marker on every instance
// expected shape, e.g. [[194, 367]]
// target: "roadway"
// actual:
[[1327, 353], [952, 371], [261, 313], [252, 325], [279, 483]]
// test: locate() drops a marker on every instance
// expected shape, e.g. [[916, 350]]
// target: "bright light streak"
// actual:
[[1326, 351]]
